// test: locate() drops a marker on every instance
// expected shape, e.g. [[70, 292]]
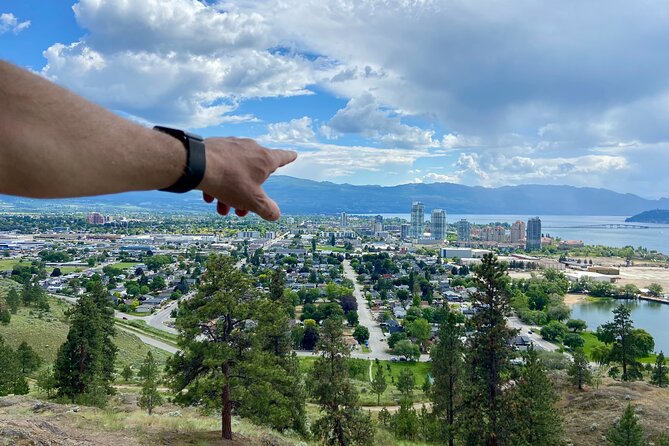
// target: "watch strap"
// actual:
[[196, 160]]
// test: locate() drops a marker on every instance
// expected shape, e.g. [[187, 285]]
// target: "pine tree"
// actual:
[[620, 334], [627, 432], [149, 374], [488, 355], [13, 300], [342, 423], [46, 381], [447, 366], [533, 418], [79, 367], [102, 299], [659, 375], [379, 384], [215, 342], [5, 315], [28, 358], [12, 380], [579, 371], [127, 373]]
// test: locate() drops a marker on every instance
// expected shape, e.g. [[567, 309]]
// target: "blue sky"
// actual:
[[475, 92]]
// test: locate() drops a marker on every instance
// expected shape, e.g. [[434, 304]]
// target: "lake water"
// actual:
[[651, 316], [575, 227]]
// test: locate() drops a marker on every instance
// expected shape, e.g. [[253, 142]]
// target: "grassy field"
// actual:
[[8, 265], [145, 328], [46, 334], [591, 341], [6, 284], [124, 265]]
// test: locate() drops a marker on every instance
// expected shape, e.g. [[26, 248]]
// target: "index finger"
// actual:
[[283, 157]]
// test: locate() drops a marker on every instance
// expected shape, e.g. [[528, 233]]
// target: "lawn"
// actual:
[[330, 248], [591, 341], [47, 333], [8, 264], [124, 265]]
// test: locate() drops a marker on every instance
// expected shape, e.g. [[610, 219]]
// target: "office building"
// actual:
[[533, 238], [95, 218], [417, 219], [343, 220], [518, 232], [464, 229], [438, 224], [405, 231], [378, 224]]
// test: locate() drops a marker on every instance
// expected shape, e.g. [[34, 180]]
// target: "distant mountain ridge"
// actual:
[[300, 196], [660, 216]]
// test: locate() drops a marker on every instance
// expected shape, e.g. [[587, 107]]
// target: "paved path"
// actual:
[[377, 341], [151, 341]]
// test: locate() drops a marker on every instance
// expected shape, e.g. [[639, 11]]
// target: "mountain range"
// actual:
[[300, 196]]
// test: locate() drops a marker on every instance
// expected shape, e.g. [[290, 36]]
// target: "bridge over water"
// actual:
[[602, 226]]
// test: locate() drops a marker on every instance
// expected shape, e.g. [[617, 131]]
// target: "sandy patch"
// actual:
[[571, 299]]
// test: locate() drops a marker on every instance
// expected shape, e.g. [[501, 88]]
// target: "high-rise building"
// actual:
[[517, 231], [405, 230], [378, 223], [95, 218], [533, 239], [438, 224], [464, 229], [343, 220], [417, 219]]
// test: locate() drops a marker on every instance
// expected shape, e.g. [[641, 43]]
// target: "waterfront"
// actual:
[[651, 316], [576, 227]]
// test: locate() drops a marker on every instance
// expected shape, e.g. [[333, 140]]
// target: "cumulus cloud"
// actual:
[[10, 23], [179, 62], [294, 131], [364, 115]]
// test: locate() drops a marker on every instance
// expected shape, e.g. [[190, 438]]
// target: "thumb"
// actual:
[[265, 206]]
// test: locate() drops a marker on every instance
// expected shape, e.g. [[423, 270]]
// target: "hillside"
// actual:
[[299, 196], [660, 216], [46, 334]]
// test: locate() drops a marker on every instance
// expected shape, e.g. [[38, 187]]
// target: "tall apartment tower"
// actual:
[[95, 218], [405, 231], [533, 239], [343, 220], [517, 231], [378, 223], [464, 229], [417, 219], [438, 224]]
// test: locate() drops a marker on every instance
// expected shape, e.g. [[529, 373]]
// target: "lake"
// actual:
[[651, 316], [575, 227]]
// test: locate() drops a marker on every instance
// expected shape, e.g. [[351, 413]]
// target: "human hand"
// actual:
[[236, 169]]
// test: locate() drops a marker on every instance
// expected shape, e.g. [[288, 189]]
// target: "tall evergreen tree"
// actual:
[[12, 379], [534, 418], [659, 375], [277, 281], [13, 300], [488, 355], [79, 366], [379, 384], [28, 358], [342, 423], [102, 299], [624, 340], [627, 432], [447, 367], [579, 371], [149, 374], [214, 340]]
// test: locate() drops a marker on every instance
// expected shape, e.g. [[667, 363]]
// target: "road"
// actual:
[[151, 341], [514, 322], [377, 341]]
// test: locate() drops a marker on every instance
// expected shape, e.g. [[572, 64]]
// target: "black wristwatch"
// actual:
[[196, 160]]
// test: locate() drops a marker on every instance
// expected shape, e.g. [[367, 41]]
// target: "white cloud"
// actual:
[[10, 23], [440, 178], [294, 131], [177, 62], [364, 115]]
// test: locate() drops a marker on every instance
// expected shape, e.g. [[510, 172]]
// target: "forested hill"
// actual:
[[660, 216], [299, 196]]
